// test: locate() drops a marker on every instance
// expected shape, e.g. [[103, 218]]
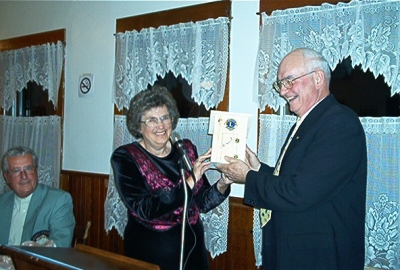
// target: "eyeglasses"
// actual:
[[153, 121], [17, 171], [287, 83]]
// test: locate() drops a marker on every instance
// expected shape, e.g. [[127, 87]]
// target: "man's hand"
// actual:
[[236, 170], [252, 160]]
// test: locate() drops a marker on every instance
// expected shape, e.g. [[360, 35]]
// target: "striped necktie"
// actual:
[[265, 214]]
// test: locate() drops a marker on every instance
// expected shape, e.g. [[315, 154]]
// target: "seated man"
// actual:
[[30, 209]]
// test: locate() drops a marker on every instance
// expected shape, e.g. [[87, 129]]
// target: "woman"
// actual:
[[147, 176]]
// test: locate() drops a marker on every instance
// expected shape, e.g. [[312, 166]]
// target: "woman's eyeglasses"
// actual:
[[153, 121]]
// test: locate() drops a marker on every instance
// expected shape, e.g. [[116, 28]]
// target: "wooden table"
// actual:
[[81, 257]]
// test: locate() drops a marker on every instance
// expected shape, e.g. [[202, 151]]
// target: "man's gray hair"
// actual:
[[315, 61], [17, 151]]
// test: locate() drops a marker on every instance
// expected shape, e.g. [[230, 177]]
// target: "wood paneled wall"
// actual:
[[89, 191]]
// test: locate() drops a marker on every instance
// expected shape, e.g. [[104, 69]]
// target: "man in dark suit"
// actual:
[[317, 190], [31, 210]]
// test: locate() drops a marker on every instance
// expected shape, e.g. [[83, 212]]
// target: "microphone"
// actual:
[[178, 143]]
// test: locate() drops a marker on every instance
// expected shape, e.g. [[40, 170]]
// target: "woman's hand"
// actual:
[[200, 166], [223, 183]]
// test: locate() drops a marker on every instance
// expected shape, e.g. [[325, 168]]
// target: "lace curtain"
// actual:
[[382, 226], [43, 135], [368, 31], [215, 221], [42, 64], [196, 51]]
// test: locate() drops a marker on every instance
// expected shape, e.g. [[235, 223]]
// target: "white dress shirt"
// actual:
[[18, 219]]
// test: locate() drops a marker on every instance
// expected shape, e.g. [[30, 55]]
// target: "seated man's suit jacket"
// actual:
[[50, 209]]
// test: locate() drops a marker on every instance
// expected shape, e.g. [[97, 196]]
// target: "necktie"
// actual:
[[265, 214]]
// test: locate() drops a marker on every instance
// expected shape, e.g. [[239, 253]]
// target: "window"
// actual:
[[180, 88], [33, 100]]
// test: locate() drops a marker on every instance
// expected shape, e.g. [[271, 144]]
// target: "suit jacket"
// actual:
[[318, 199], [50, 210]]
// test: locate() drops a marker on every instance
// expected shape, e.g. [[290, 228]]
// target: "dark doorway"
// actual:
[[361, 91]]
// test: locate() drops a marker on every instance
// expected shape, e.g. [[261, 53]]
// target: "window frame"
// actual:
[[268, 6]]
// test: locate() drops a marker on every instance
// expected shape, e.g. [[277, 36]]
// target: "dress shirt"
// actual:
[[20, 209]]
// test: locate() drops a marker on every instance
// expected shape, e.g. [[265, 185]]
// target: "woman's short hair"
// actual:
[[18, 151], [142, 102]]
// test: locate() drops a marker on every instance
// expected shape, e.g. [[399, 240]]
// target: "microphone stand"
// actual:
[[185, 205]]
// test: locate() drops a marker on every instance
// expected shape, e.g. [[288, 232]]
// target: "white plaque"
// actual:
[[229, 135]]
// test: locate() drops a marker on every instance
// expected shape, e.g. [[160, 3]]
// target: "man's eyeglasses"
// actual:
[[17, 171], [287, 83], [153, 121]]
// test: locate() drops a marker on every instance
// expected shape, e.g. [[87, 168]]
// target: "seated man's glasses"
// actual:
[[153, 121], [17, 171], [287, 83]]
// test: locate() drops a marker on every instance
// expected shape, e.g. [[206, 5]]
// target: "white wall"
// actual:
[[88, 123]]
